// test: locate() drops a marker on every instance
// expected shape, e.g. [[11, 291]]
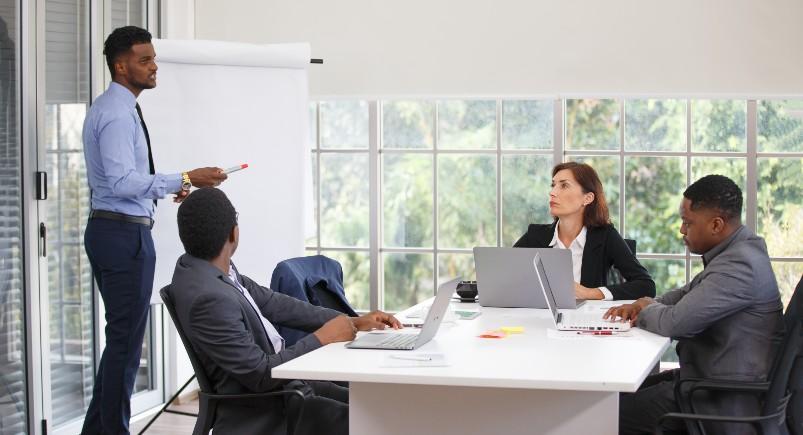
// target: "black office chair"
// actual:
[[775, 393], [614, 275], [209, 401]]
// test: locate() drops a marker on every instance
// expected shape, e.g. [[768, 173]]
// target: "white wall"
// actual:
[[484, 47]]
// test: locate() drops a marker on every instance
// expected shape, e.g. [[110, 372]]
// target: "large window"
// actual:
[[406, 188]]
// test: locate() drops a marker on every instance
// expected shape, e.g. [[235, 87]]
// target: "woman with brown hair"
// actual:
[[582, 225]]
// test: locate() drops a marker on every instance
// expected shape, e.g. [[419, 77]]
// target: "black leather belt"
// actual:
[[111, 215]]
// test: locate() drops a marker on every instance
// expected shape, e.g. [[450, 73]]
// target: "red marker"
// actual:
[[235, 168], [595, 332]]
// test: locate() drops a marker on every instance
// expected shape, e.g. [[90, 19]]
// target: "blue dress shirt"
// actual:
[[116, 156]]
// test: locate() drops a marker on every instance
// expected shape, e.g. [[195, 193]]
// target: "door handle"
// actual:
[[43, 236]]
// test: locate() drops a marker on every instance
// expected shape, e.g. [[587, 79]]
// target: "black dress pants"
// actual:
[[123, 260]]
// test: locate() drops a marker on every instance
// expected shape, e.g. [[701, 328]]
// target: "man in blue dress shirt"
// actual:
[[125, 187]]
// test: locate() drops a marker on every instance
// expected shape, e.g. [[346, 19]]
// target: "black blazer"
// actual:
[[604, 248]]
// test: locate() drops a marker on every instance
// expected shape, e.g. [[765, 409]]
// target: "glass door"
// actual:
[[70, 308], [74, 309], [13, 389]]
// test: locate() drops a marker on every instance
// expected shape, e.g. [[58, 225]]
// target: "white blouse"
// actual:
[[577, 256]]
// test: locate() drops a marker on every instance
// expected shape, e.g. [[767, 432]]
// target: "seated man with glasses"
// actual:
[[230, 321]]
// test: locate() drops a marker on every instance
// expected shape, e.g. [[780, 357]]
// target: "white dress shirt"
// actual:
[[577, 257], [273, 335]]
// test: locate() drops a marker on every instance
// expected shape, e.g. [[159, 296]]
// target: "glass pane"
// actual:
[[655, 125], [719, 125], [344, 124], [144, 379], [408, 124], [667, 274], [466, 124], [344, 200], [607, 168], [780, 126], [13, 402], [408, 280], [450, 266], [70, 290], [734, 168], [313, 125], [788, 275], [592, 125], [356, 277], [527, 124], [407, 200], [653, 190], [780, 210], [312, 233], [525, 194], [128, 13], [466, 201], [696, 266]]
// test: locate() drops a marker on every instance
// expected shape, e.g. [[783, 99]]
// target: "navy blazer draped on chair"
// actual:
[[315, 279]]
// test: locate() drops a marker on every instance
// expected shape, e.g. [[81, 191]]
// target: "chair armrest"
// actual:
[[300, 394], [753, 420], [716, 385], [743, 387]]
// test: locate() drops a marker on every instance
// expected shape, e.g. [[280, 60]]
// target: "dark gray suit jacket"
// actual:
[[727, 321], [229, 339]]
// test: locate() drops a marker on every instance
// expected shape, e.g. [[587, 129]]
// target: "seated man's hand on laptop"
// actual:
[[627, 312], [341, 328], [375, 320]]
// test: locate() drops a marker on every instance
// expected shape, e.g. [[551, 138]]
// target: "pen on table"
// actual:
[[412, 357], [595, 332]]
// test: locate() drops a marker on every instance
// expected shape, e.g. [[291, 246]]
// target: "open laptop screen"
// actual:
[[543, 282]]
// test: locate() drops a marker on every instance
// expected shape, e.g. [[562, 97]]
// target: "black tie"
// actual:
[[148, 141]]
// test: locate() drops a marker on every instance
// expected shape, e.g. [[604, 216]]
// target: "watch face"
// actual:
[[186, 186]]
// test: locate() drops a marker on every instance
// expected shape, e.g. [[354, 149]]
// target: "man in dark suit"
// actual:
[[727, 321], [229, 320]]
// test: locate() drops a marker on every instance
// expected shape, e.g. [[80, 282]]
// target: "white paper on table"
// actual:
[[575, 335], [421, 360]]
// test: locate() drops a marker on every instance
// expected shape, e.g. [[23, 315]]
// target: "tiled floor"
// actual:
[[170, 424]]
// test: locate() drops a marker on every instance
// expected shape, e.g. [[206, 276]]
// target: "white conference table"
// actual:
[[531, 383]]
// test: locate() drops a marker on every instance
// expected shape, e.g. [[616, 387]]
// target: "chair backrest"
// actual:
[[203, 381], [614, 275], [778, 395], [794, 411]]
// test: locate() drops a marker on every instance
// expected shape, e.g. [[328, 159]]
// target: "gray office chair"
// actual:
[[614, 275], [209, 400]]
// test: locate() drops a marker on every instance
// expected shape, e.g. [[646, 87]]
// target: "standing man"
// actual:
[[125, 187], [727, 321]]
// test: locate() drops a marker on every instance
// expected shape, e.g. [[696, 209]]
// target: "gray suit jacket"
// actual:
[[727, 321], [227, 335]]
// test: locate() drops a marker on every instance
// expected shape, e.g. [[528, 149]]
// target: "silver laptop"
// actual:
[[577, 320], [403, 341], [506, 279]]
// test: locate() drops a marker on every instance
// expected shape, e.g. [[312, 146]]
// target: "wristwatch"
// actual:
[[185, 182]]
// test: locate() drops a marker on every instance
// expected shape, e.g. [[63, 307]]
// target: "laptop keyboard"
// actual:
[[398, 341]]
